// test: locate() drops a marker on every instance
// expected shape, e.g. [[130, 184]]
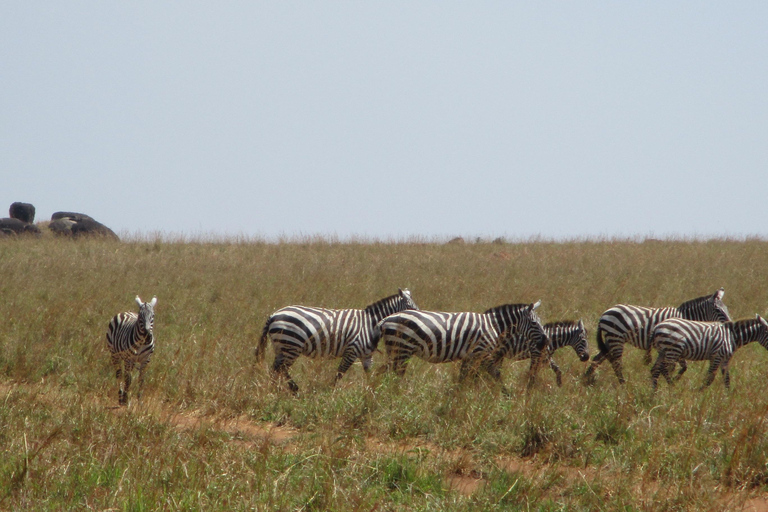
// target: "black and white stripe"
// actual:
[[561, 334], [474, 338], [679, 339], [634, 324], [325, 333], [131, 341]]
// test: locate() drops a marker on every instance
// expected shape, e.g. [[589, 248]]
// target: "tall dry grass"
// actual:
[[203, 436]]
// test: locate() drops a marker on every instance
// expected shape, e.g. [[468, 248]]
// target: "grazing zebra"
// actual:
[[319, 332], [131, 341], [634, 324], [678, 339], [560, 334], [474, 338]]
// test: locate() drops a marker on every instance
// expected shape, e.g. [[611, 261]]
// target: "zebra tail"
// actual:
[[600, 343], [261, 348]]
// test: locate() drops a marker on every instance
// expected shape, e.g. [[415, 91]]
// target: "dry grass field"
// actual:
[[212, 431]]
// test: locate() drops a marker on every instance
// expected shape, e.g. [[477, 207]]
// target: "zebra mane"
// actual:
[[386, 301], [695, 302], [742, 323], [562, 323], [506, 307]]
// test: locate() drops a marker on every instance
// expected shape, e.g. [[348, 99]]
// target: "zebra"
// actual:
[[634, 324], [474, 338], [131, 341], [319, 332], [678, 339], [560, 334]]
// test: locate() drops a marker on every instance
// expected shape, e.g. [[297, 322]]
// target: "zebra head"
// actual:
[[762, 334], [718, 308], [146, 321], [568, 334], [406, 301], [579, 342], [709, 308]]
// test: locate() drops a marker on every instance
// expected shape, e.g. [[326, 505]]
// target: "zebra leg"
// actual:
[[127, 379], [534, 369], [711, 372], [468, 366], [348, 358], [589, 376], [661, 367], [683, 369], [493, 368], [726, 376], [399, 362], [647, 359], [280, 368], [118, 364], [668, 369], [367, 362], [614, 355], [558, 373]]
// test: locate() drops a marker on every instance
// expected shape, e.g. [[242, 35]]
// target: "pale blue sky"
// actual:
[[389, 119]]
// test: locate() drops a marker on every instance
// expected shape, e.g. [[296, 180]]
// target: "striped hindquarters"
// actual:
[[438, 337], [630, 324], [315, 332], [680, 339]]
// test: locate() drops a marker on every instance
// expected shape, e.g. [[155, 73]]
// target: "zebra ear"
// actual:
[[153, 301], [535, 305], [138, 300], [581, 324], [719, 294]]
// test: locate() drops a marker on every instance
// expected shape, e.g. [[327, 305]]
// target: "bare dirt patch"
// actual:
[[241, 427], [465, 484], [756, 505]]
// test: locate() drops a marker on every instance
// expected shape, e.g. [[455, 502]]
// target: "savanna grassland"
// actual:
[[213, 432]]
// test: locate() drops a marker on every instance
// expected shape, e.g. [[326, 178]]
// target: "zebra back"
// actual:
[[328, 332], [439, 337]]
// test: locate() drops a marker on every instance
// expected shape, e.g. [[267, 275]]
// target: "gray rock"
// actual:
[[18, 227], [78, 225], [62, 226], [89, 227], [25, 212], [77, 217]]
